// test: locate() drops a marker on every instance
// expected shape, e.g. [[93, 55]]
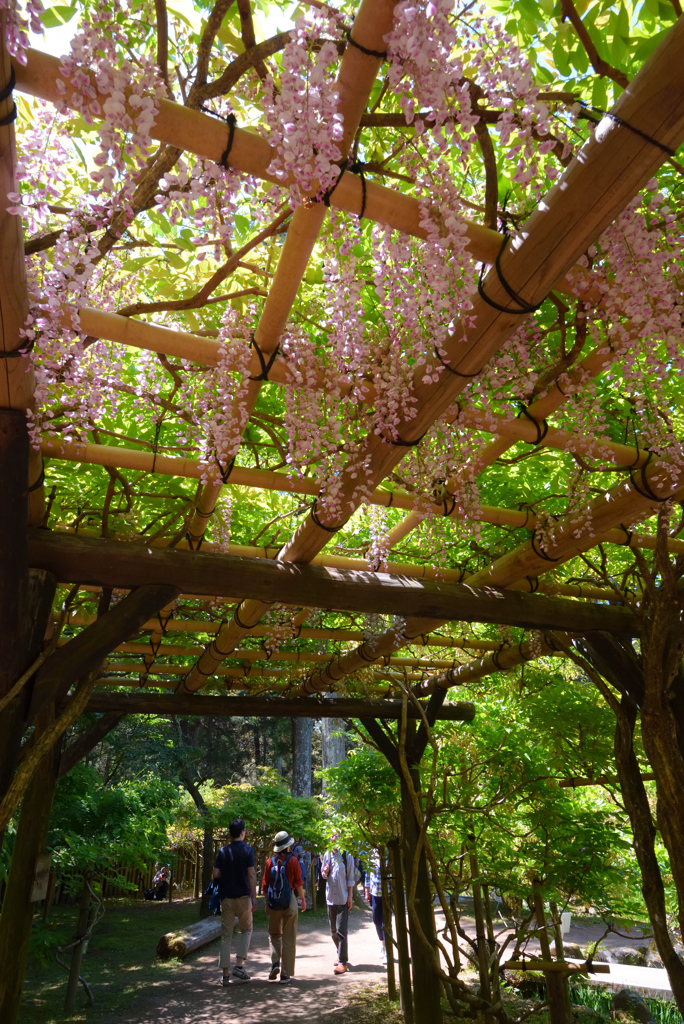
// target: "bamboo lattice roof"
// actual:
[[236, 394]]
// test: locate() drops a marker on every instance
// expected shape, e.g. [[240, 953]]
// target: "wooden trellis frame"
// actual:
[[614, 176]]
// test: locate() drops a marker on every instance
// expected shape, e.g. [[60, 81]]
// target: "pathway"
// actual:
[[195, 995]]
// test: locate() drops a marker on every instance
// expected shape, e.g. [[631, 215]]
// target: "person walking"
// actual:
[[338, 870], [235, 870], [373, 894], [281, 882]]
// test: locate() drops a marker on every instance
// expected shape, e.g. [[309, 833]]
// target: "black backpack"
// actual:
[[279, 889]]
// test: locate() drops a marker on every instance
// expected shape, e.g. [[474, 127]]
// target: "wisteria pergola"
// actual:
[[396, 324]]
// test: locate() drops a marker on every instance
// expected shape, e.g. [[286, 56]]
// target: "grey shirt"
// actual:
[[341, 877]]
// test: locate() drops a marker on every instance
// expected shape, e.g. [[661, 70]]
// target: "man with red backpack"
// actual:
[[282, 879]]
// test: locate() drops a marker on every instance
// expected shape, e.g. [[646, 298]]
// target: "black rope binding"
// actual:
[[452, 369], [524, 306], [225, 473], [325, 198], [155, 447], [5, 94], [357, 168], [539, 550], [378, 54], [400, 443], [624, 124], [322, 526], [15, 353], [231, 121], [265, 366], [541, 434], [646, 491], [40, 481], [236, 617]]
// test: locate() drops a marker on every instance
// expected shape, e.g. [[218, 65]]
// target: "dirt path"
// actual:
[[194, 995]]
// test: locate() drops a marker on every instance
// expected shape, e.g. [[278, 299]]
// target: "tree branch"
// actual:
[[600, 66]]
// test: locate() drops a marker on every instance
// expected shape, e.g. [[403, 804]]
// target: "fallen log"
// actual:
[[186, 940]]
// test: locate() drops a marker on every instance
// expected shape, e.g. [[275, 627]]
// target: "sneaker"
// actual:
[[284, 978], [341, 969], [383, 954], [225, 981], [239, 975], [275, 971]]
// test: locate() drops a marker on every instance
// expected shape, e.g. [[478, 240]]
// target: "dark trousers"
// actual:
[[338, 915], [376, 904]]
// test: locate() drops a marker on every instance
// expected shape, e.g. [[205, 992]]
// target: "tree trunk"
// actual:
[[41, 593], [403, 958], [179, 944], [480, 927], [17, 910], [207, 867], [556, 983], [78, 951], [644, 831], [301, 773], [426, 987], [333, 743]]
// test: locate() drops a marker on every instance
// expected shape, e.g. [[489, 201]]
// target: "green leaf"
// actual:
[[55, 16], [136, 264], [175, 260]]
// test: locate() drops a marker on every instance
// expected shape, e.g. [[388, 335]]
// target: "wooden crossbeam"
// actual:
[[267, 707], [111, 564]]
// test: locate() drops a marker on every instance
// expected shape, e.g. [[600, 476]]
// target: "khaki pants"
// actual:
[[282, 936], [239, 910]]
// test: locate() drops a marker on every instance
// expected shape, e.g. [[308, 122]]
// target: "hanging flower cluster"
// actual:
[[18, 22], [304, 125]]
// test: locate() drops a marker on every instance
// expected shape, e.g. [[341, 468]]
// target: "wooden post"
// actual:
[[170, 885], [397, 875], [555, 981], [207, 867], [50, 894], [17, 909], [79, 948], [387, 925]]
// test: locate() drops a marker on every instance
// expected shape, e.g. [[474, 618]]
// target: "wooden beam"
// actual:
[[111, 564], [82, 746], [266, 707], [86, 651], [17, 377]]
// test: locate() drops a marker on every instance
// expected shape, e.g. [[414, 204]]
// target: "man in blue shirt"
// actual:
[[236, 871]]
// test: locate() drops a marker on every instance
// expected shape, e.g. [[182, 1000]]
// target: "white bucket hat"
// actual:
[[282, 841]]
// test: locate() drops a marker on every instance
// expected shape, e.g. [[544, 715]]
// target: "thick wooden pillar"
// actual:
[[404, 960], [16, 918], [14, 449]]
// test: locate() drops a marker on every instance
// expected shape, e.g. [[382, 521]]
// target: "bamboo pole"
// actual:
[[17, 378], [116, 457], [599, 181], [202, 135]]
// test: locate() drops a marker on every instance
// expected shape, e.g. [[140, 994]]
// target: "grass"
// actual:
[[119, 963], [596, 998]]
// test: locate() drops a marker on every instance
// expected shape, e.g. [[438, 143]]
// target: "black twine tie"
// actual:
[[624, 124], [322, 526], [452, 369], [231, 121], [399, 442], [646, 491], [5, 94], [541, 433], [378, 54], [23, 350], [265, 366], [524, 307], [354, 167]]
